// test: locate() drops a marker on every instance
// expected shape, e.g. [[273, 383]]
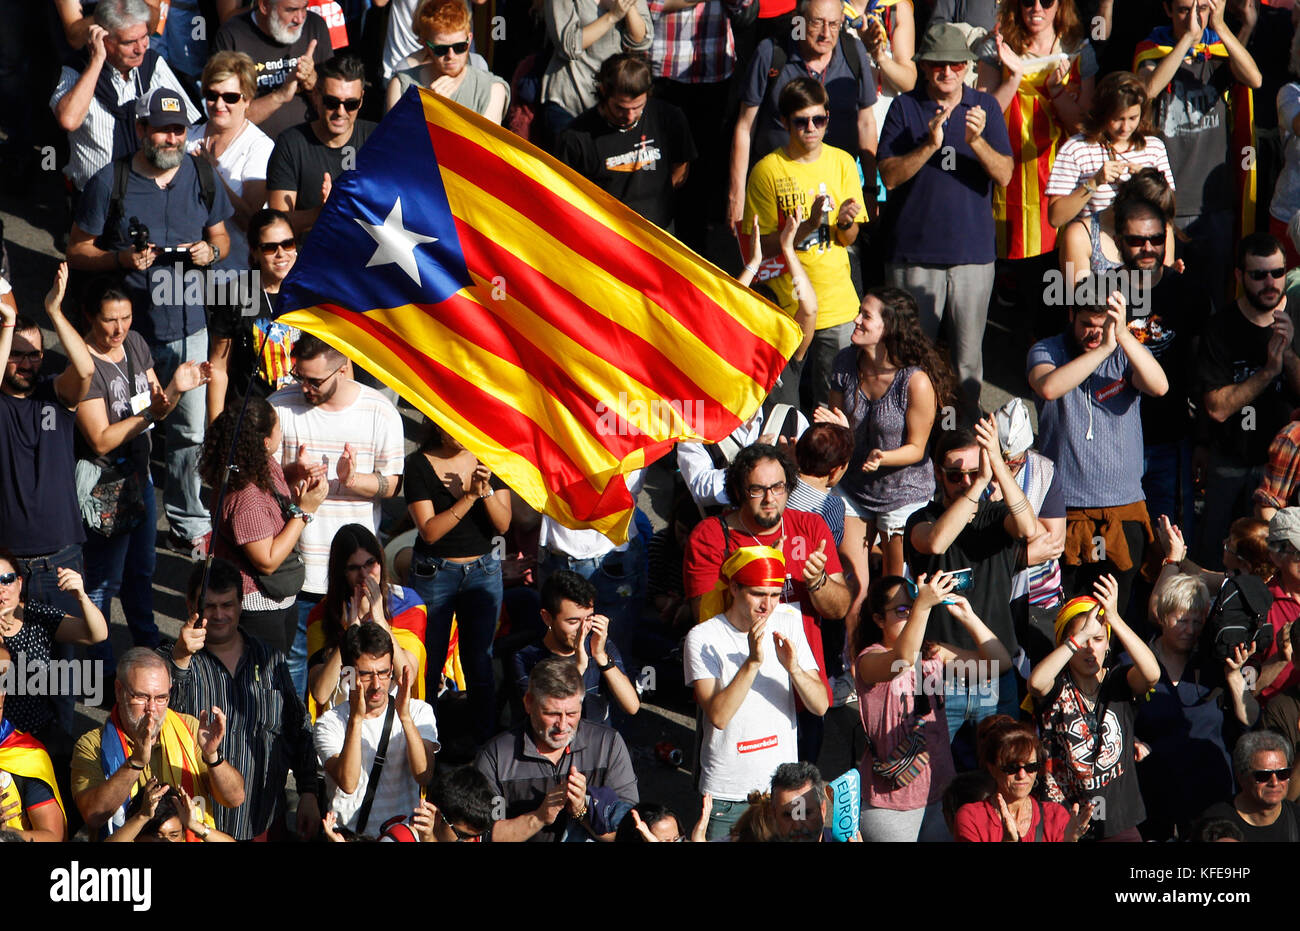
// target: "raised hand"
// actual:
[[932, 589], [599, 638], [159, 405], [310, 495], [937, 123], [96, 42], [405, 682], [1010, 830], [553, 803], [575, 793], [346, 468], [1006, 55], [785, 652], [143, 738], [976, 119], [756, 641], [1080, 817], [848, 210], [54, 297], [190, 375], [824, 414], [328, 825], [642, 828], [305, 70], [1091, 626], [194, 634], [789, 229], [1110, 171], [70, 581], [814, 566], [480, 483], [701, 832], [1106, 590], [154, 792], [1171, 539], [424, 819], [326, 187], [212, 729], [873, 461]]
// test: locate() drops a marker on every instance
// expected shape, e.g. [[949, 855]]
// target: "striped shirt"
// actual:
[[248, 515], [373, 428], [1280, 486], [1078, 160], [804, 497], [267, 729], [694, 45], [91, 143]]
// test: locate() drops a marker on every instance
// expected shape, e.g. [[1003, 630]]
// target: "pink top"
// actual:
[[980, 822], [886, 710]]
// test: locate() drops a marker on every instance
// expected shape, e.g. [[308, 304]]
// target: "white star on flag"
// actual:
[[395, 243]]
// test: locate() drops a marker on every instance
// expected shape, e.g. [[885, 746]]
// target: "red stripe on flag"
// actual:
[[602, 245], [505, 425], [1043, 121]]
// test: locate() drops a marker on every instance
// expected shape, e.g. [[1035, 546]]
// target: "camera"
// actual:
[[139, 235]]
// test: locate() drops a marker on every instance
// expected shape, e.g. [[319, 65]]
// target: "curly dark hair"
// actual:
[[906, 344], [349, 539], [252, 465]]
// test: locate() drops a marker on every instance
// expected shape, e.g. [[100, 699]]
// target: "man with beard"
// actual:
[[1088, 381], [1250, 383], [163, 190], [143, 739], [215, 662], [1170, 311], [562, 778], [574, 629], [286, 41], [630, 145]]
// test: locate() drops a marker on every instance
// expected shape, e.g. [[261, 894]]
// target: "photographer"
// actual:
[[153, 217]]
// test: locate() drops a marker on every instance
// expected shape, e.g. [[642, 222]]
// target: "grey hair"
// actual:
[[139, 658], [790, 776], [1255, 742], [120, 14], [1182, 593]]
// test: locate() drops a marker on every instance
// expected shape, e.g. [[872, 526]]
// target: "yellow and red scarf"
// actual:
[[23, 755], [180, 763], [749, 565]]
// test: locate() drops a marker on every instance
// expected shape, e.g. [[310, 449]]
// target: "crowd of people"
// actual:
[[1064, 620]]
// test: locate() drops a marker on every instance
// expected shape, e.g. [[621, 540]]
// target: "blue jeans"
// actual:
[[186, 515], [620, 580], [472, 592], [1167, 484], [723, 817], [962, 704], [124, 565], [41, 583], [298, 649]]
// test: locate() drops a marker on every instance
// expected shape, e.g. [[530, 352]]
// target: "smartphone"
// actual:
[[965, 582]]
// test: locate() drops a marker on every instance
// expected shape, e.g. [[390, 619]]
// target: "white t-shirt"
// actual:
[[245, 159], [1078, 160], [761, 734], [398, 792], [373, 428]]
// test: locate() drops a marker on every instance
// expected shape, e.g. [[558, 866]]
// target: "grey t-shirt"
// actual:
[[1192, 116], [117, 383]]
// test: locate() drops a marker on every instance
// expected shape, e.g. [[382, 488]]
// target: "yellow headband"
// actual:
[[1072, 609], [749, 565]]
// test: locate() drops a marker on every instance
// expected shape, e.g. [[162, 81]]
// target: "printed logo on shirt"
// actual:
[[1106, 392], [643, 157], [762, 743]]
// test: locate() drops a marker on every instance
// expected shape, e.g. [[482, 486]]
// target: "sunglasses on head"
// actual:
[[803, 122], [230, 97], [351, 104], [1010, 769], [1259, 274], [1137, 241], [440, 51], [270, 248], [8, 578], [1263, 776]]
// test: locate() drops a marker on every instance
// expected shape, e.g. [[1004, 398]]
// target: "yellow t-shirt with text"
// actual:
[[776, 186]]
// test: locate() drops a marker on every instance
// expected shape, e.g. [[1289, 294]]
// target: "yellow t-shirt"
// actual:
[[777, 185]]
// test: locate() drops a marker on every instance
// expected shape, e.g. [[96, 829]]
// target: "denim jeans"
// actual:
[[298, 649], [472, 592], [723, 817], [41, 583], [184, 427], [620, 580], [124, 565], [1167, 484], [963, 703]]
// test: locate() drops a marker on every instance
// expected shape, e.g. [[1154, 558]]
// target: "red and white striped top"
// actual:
[[1078, 160]]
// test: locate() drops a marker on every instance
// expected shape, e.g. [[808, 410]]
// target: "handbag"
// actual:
[[911, 756], [113, 503]]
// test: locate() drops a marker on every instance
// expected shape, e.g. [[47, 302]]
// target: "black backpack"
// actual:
[[1239, 615]]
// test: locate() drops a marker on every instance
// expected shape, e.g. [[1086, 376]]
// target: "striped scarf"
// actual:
[[180, 763], [23, 755]]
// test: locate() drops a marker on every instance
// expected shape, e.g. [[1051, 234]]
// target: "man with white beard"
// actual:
[[286, 41], [142, 739]]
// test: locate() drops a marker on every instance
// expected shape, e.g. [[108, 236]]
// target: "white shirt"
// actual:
[[398, 792], [588, 544], [245, 159], [761, 734], [707, 485]]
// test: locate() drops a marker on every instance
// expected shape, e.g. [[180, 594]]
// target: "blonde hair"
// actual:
[[1182, 594], [224, 65]]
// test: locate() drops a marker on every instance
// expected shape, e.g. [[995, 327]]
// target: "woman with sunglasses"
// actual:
[[1086, 712], [358, 590], [233, 144], [893, 704], [1039, 65], [1013, 755], [236, 338], [446, 35]]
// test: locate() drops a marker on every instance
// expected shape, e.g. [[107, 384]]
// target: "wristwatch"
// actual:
[[148, 416], [216, 253], [1090, 186], [607, 667], [217, 762], [138, 769]]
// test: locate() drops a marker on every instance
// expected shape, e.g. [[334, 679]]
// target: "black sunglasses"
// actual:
[[270, 248], [8, 578], [1137, 242], [440, 51], [956, 475], [1011, 769], [1264, 775], [351, 104], [230, 97], [1259, 274], [1045, 4], [803, 122]]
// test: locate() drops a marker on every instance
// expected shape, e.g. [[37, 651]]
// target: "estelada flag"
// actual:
[[1241, 108], [561, 337]]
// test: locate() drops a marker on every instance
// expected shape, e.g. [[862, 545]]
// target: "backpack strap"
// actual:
[[207, 182], [851, 58], [121, 175]]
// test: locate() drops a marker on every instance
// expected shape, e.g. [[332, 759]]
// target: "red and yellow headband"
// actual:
[[1072, 609], [750, 566]]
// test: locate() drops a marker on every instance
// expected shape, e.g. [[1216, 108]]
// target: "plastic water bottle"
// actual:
[[824, 233]]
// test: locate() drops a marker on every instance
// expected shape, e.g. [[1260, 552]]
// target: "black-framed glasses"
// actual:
[[8, 578], [1259, 274], [1137, 241], [1011, 769], [141, 699], [230, 97], [441, 51], [375, 675], [803, 122], [1263, 776], [271, 248], [365, 567], [20, 357], [758, 491], [331, 103], [313, 383]]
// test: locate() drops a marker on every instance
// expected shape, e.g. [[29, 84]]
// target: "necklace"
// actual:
[[740, 516]]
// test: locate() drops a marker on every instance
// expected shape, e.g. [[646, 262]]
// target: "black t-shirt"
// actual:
[[635, 166], [31, 645], [38, 487], [984, 546], [116, 383], [246, 335], [471, 536], [300, 161], [1180, 308], [1231, 351], [1286, 829], [275, 62]]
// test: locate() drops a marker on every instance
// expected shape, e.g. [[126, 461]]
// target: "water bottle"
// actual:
[[824, 233]]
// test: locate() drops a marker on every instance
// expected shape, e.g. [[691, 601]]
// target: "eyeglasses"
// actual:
[[1137, 242], [1263, 776], [1285, 550], [8, 578], [816, 25], [375, 675], [19, 358], [331, 103], [271, 248], [365, 567], [313, 383], [465, 837], [956, 475], [1259, 274], [441, 51], [230, 97], [803, 122], [1045, 4], [758, 491], [140, 699], [902, 611], [1010, 769], [946, 65]]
